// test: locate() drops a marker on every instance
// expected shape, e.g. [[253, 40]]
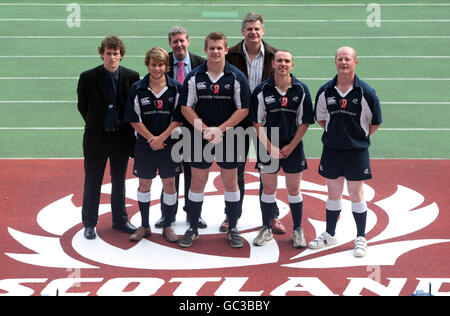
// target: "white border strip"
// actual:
[[227, 4]]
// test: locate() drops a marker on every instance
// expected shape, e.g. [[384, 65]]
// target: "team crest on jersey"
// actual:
[[215, 88], [343, 103], [284, 102], [159, 104]]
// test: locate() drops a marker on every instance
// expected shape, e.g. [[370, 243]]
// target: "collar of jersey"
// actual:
[[203, 68], [356, 83], [144, 82]]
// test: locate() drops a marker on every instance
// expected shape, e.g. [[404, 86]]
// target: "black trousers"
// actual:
[[94, 168]]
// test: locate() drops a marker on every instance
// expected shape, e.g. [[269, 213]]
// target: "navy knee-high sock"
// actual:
[[232, 202], [144, 207], [296, 205], [333, 211], [168, 208], [359, 210], [194, 204], [267, 203]]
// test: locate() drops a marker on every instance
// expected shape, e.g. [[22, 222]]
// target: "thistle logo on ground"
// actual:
[[68, 249]]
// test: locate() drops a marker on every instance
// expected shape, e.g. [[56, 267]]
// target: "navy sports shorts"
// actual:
[[353, 164], [295, 163], [226, 154], [148, 163]]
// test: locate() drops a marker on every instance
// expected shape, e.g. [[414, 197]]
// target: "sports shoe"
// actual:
[[188, 239], [323, 240], [360, 247], [264, 236], [235, 239], [298, 238]]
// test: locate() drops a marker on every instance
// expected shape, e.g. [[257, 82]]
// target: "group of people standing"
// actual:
[[249, 85]]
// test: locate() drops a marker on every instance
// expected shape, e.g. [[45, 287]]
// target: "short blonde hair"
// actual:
[[158, 54]]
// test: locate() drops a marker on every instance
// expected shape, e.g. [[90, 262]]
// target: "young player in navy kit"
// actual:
[[349, 111], [216, 97], [284, 103], [153, 111]]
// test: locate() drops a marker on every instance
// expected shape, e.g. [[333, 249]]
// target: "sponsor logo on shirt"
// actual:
[[270, 99]]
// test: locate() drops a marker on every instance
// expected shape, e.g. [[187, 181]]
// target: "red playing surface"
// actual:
[[27, 186]]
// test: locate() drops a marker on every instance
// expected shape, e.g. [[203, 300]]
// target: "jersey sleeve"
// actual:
[[320, 107], [376, 110], [242, 97], [306, 114], [188, 95], [258, 107]]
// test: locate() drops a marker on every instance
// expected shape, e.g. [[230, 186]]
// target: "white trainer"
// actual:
[[360, 247], [298, 238], [264, 236], [324, 240]]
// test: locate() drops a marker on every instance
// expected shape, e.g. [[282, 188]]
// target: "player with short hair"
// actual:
[[349, 111], [282, 102], [215, 98], [153, 111]]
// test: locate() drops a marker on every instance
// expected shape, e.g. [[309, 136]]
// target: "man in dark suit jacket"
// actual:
[[102, 94], [179, 42]]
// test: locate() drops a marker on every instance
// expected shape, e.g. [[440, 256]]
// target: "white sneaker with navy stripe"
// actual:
[[324, 240]]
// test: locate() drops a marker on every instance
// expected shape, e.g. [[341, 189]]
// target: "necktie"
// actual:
[[112, 119], [180, 72]]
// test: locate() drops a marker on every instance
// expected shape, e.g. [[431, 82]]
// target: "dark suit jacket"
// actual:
[[92, 106], [236, 57], [195, 62]]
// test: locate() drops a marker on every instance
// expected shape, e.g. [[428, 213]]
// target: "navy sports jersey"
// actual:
[[287, 111], [156, 112], [348, 115], [215, 101]]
